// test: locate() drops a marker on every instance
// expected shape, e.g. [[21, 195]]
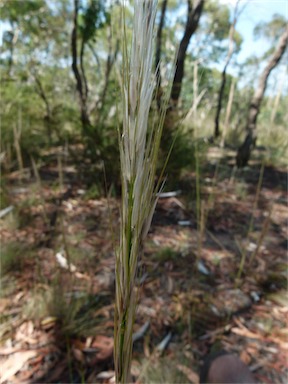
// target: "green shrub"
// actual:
[[183, 156]]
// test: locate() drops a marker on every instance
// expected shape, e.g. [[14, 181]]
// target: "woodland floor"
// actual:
[[57, 322]]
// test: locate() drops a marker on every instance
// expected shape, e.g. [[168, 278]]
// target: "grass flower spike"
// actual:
[[139, 146]]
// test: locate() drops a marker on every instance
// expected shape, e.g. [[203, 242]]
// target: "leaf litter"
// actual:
[[187, 309]]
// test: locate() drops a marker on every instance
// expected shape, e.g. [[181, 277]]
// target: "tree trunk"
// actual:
[[158, 52], [223, 82], [83, 75], [81, 89], [172, 117], [228, 112], [194, 14], [244, 151], [219, 103]]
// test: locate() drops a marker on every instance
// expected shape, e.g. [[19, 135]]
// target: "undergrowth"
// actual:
[[13, 256]]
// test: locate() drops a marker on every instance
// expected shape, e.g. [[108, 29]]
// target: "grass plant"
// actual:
[[162, 371], [244, 252], [13, 256], [74, 312], [139, 144], [166, 254]]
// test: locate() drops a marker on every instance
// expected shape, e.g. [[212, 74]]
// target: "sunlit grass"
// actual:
[[13, 257], [73, 312], [163, 370]]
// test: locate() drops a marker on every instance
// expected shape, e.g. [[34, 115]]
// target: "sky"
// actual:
[[255, 11]]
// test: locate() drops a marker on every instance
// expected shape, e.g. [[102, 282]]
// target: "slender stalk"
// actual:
[[244, 252], [261, 236], [258, 190], [228, 113], [139, 147], [198, 206], [17, 130]]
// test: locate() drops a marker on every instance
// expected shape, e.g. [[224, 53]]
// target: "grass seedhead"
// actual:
[[139, 147]]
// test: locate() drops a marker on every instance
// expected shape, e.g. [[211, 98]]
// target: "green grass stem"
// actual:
[[139, 148]]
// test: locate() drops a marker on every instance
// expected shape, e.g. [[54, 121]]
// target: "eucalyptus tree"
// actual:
[[35, 54], [231, 50], [194, 12], [86, 22], [209, 48], [206, 46], [244, 151]]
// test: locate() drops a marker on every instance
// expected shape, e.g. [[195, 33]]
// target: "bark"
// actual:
[[15, 35], [244, 151], [194, 14], [223, 77], [158, 51], [83, 75], [80, 83], [219, 102]]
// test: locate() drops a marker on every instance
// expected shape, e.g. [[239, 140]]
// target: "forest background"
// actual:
[[221, 216]]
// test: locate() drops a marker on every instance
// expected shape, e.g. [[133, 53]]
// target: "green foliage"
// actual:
[[4, 194], [220, 15], [93, 192], [166, 254], [272, 135], [183, 156], [8, 285], [13, 10], [238, 38], [241, 190], [214, 29], [209, 80], [93, 18], [68, 311], [36, 45], [271, 30]]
